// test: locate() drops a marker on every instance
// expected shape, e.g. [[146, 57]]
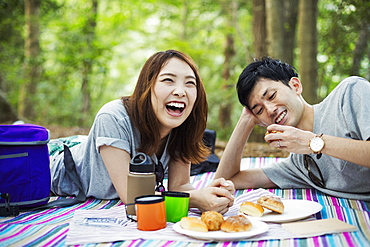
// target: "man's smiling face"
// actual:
[[273, 102]]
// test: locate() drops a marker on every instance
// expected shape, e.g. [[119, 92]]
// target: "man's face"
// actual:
[[272, 102]]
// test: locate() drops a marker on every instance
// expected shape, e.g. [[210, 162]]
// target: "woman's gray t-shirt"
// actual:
[[111, 127], [344, 113]]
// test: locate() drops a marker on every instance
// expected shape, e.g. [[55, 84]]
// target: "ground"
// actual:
[[253, 149]]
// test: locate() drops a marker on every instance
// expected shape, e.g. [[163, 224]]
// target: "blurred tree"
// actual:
[[275, 29], [99, 56], [339, 29], [32, 62], [362, 45], [7, 113], [11, 18], [307, 43], [259, 29], [290, 29], [88, 61], [226, 105]]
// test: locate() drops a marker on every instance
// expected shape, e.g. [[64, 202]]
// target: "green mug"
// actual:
[[177, 205]]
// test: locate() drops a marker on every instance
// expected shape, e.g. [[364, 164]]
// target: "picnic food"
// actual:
[[252, 209], [271, 202], [273, 131], [237, 223], [193, 224], [213, 220]]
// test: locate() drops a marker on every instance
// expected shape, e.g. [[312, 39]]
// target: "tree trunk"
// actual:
[[226, 105], [32, 64], [360, 49], [88, 63], [7, 113], [307, 43], [241, 33], [290, 27], [229, 52], [259, 29], [275, 29]]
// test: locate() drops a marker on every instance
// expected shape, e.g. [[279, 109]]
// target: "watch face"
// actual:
[[316, 144]]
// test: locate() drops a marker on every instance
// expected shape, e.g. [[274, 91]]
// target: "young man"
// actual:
[[329, 142]]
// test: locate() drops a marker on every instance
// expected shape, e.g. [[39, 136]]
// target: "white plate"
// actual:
[[293, 210], [258, 227]]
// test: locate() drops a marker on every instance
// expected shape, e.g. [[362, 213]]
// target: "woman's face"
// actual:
[[174, 94]]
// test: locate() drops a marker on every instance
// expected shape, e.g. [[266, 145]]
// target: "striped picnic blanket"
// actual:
[[50, 227]]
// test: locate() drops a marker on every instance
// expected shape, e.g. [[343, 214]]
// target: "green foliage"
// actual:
[[129, 31], [339, 26]]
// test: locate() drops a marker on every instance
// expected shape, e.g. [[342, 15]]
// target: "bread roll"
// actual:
[[213, 220], [237, 223], [193, 224], [252, 209], [271, 202], [273, 131]]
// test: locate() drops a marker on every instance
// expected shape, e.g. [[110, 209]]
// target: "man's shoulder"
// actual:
[[354, 81], [350, 85]]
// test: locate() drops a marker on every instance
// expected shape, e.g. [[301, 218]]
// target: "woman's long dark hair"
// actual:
[[186, 140]]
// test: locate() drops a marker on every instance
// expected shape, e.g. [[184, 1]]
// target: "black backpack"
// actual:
[[211, 164]]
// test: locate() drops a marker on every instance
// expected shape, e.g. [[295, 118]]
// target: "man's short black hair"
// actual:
[[267, 68]]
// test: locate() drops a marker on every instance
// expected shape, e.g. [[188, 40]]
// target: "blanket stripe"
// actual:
[[50, 227]]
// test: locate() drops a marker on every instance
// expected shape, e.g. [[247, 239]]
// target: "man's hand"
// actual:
[[289, 138], [246, 113]]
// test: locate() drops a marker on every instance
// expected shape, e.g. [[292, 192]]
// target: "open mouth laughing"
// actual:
[[175, 107], [279, 119]]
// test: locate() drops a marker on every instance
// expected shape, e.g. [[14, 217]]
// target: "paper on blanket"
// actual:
[[318, 227], [109, 225]]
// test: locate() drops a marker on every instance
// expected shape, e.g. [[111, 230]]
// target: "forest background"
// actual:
[[61, 60]]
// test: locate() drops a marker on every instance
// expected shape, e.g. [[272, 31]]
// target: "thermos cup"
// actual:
[[150, 212], [177, 205]]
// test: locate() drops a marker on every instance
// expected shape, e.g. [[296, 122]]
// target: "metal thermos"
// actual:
[[140, 180]]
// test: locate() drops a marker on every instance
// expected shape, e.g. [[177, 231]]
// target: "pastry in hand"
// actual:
[[252, 209], [237, 223], [193, 224], [213, 220], [273, 132], [271, 202]]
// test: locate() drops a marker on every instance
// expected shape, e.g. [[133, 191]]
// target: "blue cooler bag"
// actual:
[[24, 166]]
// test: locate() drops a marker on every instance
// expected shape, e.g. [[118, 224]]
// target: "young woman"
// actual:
[[165, 118]]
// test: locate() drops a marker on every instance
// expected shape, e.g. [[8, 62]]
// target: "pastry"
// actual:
[[271, 202], [212, 219], [273, 132], [237, 223], [252, 209], [193, 224]]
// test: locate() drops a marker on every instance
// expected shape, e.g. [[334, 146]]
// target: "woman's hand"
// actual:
[[212, 199], [224, 184]]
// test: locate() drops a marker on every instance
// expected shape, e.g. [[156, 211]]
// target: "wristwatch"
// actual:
[[316, 144]]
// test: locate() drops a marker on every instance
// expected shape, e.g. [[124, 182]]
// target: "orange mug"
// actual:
[[150, 212]]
